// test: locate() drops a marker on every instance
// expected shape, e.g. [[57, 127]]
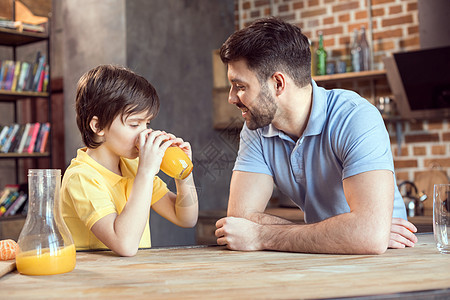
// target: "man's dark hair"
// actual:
[[269, 45], [107, 92]]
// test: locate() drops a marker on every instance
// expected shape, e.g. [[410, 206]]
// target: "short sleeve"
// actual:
[[90, 198], [363, 142], [159, 189], [250, 156]]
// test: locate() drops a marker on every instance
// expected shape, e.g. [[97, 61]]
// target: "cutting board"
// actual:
[[425, 182], [7, 266]]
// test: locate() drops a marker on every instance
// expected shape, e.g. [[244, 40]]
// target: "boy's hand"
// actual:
[[152, 146], [185, 146]]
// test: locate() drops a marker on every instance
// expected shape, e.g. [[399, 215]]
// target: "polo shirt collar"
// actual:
[[316, 119], [110, 176]]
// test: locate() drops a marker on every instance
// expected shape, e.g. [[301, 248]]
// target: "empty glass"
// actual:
[[441, 217]]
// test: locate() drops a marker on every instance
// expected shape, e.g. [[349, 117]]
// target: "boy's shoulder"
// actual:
[[79, 169]]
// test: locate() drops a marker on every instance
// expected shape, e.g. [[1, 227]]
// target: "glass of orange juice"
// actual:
[[45, 243], [176, 163]]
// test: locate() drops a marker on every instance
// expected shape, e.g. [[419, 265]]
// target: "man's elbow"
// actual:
[[375, 244]]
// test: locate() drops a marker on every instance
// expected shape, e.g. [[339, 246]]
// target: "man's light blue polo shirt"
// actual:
[[345, 136]]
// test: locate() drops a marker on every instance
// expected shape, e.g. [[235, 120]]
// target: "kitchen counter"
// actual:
[[215, 272]]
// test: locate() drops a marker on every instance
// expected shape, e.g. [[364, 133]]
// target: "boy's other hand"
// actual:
[[152, 146]]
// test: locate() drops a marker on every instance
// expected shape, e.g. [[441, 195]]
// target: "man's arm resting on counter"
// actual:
[[365, 229]]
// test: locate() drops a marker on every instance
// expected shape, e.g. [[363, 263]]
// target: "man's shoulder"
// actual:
[[346, 103]]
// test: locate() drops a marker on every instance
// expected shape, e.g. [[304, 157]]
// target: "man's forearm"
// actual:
[[339, 234], [267, 219]]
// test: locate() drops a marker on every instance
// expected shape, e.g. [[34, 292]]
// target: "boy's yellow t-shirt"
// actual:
[[90, 192]]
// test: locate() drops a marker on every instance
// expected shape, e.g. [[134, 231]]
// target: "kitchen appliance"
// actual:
[[412, 198]]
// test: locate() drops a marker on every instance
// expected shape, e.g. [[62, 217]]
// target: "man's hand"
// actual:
[[402, 234], [238, 234]]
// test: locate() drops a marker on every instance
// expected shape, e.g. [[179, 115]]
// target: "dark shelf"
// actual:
[[11, 37], [13, 96], [369, 75], [24, 155]]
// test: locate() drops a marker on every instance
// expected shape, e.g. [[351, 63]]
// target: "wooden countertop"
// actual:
[[215, 272]]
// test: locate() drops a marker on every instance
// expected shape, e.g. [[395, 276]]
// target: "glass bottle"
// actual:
[[321, 57], [45, 243], [356, 52], [365, 51]]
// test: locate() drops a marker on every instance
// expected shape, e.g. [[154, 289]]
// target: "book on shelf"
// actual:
[[12, 199], [3, 133], [16, 75], [9, 138], [22, 76], [33, 137], [8, 202], [8, 75], [6, 131], [24, 138], [46, 78], [42, 138], [18, 203], [37, 75], [7, 190], [16, 139]]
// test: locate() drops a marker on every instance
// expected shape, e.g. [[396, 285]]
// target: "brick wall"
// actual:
[[395, 28]]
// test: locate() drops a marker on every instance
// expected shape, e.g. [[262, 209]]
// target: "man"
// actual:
[[328, 150]]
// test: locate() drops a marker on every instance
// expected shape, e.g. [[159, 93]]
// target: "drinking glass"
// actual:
[[441, 217], [176, 163]]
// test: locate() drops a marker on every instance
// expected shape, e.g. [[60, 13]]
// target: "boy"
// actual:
[[109, 187]]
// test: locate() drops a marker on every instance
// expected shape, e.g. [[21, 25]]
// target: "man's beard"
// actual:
[[264, 111]]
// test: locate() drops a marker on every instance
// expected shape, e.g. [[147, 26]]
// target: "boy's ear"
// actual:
[[95, 126]]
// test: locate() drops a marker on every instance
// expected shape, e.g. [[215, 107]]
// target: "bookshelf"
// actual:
[[14, 39], [30, 100]]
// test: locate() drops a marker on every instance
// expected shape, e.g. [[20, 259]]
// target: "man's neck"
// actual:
[[294, 112]]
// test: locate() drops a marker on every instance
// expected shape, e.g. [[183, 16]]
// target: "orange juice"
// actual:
[[176, 163], [48, 262]]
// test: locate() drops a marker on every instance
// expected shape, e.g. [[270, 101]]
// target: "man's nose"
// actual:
[[232, 98]]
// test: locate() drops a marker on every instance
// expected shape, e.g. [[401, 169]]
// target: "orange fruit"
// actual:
[[8, 249]]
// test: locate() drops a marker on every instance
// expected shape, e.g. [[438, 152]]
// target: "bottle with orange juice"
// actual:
[[45, 243]]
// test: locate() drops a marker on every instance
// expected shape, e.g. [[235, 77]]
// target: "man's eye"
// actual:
[[134, 125]]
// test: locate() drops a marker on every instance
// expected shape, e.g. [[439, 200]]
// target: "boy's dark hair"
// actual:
[[269, 45], [107, 92]]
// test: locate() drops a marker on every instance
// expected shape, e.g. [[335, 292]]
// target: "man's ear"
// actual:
[[94, 124], [279, 81]]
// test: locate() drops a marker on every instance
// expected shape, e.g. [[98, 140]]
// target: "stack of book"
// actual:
[[22, 76], [12, 200], [24, 138], [21, 26]]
